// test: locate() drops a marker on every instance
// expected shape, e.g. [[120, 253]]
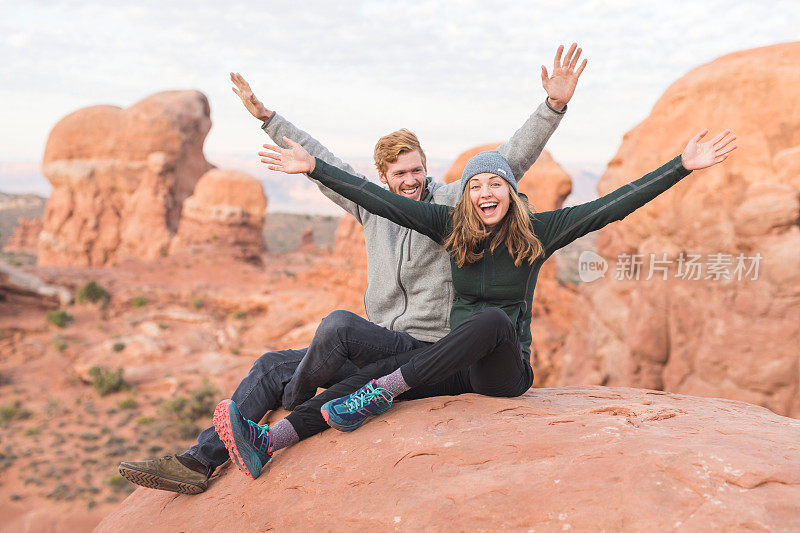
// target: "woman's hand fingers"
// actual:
[[724, 151], [719, 137], [725, 141], [700, 135]]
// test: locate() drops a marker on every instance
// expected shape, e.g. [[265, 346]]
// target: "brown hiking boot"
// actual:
[[167, 473]]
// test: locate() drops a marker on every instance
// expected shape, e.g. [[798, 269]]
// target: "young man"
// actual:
[[409, 290]]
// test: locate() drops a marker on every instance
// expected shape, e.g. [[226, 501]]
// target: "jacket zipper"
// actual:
[[400, 283]]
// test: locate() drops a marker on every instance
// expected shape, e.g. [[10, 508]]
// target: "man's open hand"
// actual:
[[561, 85], [249, 99]]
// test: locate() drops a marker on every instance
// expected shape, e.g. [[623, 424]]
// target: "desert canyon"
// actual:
[[658, 404]]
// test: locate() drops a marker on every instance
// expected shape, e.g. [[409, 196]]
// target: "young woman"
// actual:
[[497, 246]]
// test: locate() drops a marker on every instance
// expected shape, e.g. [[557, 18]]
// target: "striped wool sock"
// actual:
[[393, 382], [281, 435]]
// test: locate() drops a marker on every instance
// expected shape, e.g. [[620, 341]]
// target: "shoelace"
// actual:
[[259, 432], [356, 402]]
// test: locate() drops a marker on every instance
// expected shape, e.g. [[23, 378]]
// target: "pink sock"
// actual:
[[393, 382], [281, 435]]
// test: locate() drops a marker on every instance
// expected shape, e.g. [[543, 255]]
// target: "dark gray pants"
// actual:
[[481, 355], [343, 342]]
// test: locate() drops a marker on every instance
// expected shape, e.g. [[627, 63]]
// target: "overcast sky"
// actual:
[[458, 73]]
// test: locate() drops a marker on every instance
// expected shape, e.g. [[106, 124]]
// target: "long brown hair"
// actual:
[[465, 242]]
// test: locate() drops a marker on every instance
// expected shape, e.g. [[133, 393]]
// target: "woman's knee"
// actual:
[[496, 318]]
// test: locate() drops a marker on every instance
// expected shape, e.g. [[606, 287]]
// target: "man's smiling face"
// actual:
[[406, 176]]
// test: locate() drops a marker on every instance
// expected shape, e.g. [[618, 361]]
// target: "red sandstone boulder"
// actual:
[[119, 178], [226, 209], [578, 458], [737, 339]]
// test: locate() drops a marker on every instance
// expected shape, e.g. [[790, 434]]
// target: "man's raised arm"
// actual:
[[525, 146], [278, 127]]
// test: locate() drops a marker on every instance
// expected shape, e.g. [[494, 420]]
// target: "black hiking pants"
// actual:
[[481, 355]]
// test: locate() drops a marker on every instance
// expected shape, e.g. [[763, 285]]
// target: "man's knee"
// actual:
[[270, 360], [334, 326]]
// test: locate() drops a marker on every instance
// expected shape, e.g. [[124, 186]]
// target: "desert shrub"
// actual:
[[93, 293], [13, 411], [184, 411], [138, 301], [59, 344], [118, 346], [198, 303], [144, 421], [128, 403], [106, 381], [59, 318], [240, 315]]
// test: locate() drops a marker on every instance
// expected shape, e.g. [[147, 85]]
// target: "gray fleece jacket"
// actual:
[[409, 286]]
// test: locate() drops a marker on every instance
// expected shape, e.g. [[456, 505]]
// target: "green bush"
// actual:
[[128, 403], [59, 318], [240, 315], [59, 344], [106, 381], [138, 301], [13, 411], [92, 292], [118, 346], [144, 421], [184, 411], [198, 303]]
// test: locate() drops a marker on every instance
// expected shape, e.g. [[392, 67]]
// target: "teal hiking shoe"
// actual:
[[246, 441], [349, 412]]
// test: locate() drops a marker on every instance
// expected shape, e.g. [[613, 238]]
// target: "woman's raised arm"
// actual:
[[558, 228], [429, 219]]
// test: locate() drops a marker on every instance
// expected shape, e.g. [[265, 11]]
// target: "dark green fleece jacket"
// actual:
[[494, 281]]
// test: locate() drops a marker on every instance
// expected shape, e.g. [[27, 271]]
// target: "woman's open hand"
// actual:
[[292, 160], [699, 155]]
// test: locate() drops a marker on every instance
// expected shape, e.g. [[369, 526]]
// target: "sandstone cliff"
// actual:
[[735, 338]]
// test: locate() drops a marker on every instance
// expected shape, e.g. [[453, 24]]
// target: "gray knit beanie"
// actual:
[[490, 161]]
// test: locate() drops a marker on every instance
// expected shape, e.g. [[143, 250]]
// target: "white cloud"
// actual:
[[457, 73]]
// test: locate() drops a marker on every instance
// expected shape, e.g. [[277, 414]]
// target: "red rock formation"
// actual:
[[119, 178], [733, 338], [580, 459], [349, 243], [307, 240], [25, 238], [226, 209], [546, 185]]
